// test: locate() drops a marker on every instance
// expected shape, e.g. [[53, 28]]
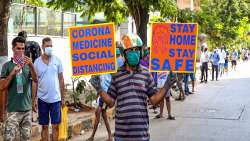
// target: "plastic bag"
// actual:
[[105, 81], [63, 126], [175, 92], [161, 79]]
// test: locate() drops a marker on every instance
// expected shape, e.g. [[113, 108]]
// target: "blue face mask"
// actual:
[[119, 62], [133, 58]]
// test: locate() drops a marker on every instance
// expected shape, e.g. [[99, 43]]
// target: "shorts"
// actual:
[[101, 103], [234, 63], [49, 111]]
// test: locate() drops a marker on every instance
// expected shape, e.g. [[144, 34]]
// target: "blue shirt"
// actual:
[[215, 58], [48, 82]]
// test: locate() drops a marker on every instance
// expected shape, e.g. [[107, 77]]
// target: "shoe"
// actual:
[[190, 93]]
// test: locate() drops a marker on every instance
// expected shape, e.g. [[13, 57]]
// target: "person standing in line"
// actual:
[[186, 82], [215, 58], [160, 78], [222, 54], [226, 65], [234, 59], [204, 60], [32, 48], [16, 79], [49, 90]]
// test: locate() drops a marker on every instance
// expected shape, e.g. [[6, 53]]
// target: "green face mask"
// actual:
[[133, 58]]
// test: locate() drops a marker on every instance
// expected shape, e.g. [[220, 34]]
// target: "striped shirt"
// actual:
[[131, 91]]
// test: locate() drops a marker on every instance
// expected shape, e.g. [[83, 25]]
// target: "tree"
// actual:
[[117, 10], [4, 18], [222, 20]]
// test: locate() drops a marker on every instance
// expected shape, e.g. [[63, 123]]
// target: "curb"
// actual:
[[75, 128]]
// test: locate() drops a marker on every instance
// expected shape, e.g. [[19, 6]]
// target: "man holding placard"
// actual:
[[130, 88]]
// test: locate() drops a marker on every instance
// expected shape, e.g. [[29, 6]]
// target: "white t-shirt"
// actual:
[[204, 57], [222, 55], [48, 82]]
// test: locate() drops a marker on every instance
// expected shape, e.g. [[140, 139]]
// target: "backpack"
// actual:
[[32, 50]]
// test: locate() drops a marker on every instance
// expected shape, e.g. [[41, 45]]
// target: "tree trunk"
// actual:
[[141, 17], [4, 18]]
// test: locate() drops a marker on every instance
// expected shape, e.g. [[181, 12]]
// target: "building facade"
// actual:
[[188, 4]]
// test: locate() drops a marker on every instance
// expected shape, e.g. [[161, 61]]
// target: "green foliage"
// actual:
[[117, 11], [225, 21], [113, 9], [91, 96], [186, 15], [156, 19], [82, 88], [39, 3], [79, 89]]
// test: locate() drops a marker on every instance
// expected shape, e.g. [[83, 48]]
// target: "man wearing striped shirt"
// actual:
[[130, 88]]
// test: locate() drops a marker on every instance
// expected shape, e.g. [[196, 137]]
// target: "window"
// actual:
[[21, 18], [68, 21], [49, 22]]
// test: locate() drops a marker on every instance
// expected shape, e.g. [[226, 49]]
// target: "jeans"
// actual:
[[221, 68], [186, 78], [216, 69], [204, 71]]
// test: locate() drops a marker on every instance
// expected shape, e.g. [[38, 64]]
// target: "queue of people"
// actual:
[[219, 59], [36, 83]]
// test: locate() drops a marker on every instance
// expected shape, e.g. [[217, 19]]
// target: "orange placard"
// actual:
[[173, 47], [92, 49]]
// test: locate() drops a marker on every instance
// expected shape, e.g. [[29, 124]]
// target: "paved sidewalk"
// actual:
[[219, 111]]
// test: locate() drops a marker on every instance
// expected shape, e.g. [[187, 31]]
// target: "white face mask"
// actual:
[[48, 51]]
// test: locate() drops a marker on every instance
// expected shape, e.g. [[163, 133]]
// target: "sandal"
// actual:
[[171, 117], [178, 99], [158, 116], [183, 98]]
